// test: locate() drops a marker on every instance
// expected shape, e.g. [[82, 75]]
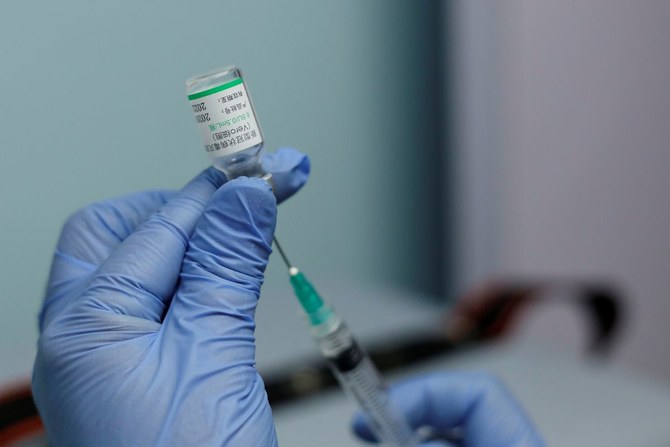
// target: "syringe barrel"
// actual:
[[358, 377]]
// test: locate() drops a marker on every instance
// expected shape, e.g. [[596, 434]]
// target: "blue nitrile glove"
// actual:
[[147, 329], [475, 406]]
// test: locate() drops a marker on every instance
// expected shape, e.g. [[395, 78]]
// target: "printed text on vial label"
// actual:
[[226, 121]]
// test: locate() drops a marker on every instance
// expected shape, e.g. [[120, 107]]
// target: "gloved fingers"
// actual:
[[93, 232], [140, 276], [476, 403], [87, 239], [290, 170], [156, 249], [222, 273]]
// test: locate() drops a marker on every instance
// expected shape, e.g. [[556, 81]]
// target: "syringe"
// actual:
[[351, 365]]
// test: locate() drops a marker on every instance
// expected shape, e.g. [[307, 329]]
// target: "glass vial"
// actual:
[[227, 121]]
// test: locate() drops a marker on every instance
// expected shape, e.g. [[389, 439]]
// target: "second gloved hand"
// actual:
[[147, 330], [475, 406]]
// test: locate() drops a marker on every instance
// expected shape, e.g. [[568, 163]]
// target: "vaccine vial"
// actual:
[[225, 115]]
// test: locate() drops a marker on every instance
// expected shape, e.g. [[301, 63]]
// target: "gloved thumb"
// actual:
[[223, 268], [206, 341]]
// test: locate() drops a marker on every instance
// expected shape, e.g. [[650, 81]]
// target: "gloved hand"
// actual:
[[475, 404], [147, 329]]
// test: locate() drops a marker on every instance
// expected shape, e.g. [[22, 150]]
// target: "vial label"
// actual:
[[226, 119]]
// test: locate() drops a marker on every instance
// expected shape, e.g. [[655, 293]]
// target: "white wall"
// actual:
[[580, 100]]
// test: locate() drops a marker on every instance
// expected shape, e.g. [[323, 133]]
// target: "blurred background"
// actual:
[[94, 107], [453, 143]]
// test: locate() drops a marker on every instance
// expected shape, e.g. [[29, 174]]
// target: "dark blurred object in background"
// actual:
[[20, 425], [488, 314]]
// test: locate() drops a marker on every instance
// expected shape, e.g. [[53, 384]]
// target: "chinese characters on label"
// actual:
[[227, 121]]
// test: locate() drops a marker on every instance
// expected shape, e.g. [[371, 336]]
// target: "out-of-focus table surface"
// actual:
[[573, 404], [574, 401]]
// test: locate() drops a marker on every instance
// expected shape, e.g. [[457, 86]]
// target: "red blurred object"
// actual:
[[20, 423], [493, 310]]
